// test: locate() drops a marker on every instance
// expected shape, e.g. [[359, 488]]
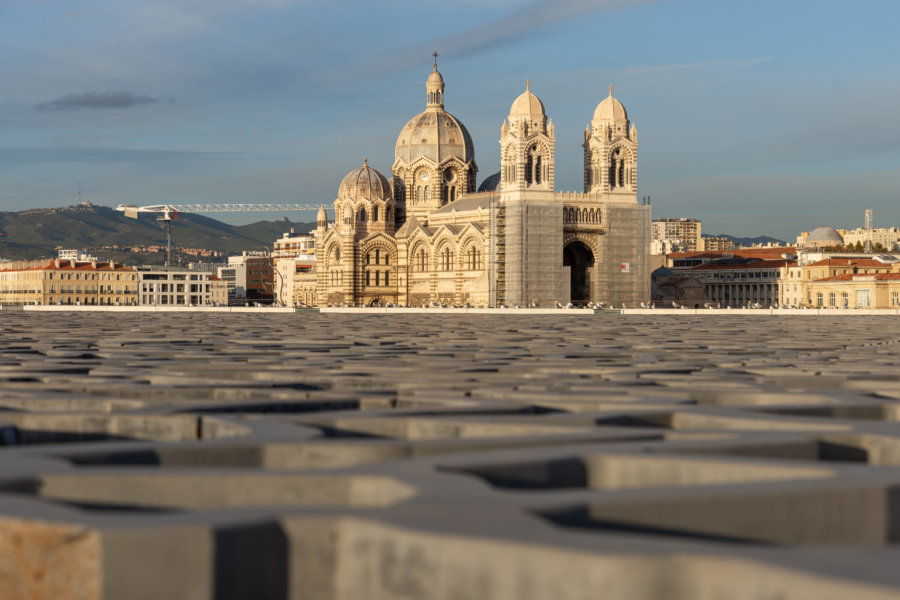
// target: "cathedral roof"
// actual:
[[466, 203], [491, 183], [610, 110], [364, 182]]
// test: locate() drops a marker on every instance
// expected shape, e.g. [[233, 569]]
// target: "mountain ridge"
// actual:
[[39, 232]]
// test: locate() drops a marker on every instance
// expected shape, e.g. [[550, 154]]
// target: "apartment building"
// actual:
[[682, 231], [69, 282], [173, 286]]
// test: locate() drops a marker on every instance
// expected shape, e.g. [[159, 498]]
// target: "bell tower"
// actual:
[[532, 231], [610, 152]]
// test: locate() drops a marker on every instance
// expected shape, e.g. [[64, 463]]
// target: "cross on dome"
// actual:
[[610, 89], [528, 84], [435, 55]]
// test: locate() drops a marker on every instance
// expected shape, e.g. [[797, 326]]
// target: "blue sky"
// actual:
[[764, 117]]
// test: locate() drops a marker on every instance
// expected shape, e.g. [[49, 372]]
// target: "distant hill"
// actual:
[[37, 233], [749, 241]]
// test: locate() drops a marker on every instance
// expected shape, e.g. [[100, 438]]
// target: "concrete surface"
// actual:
[[449, 456]]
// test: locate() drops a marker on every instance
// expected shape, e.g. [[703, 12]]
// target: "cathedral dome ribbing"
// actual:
[[527, 105], [435, 133], [364, 182], [610, 111]]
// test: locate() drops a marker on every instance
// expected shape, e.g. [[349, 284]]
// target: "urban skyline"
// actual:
[[755, 125]]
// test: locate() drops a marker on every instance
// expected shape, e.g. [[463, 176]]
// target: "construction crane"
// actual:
[[166, 213]]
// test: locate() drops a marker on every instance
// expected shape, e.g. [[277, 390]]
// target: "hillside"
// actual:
[[39, 232]]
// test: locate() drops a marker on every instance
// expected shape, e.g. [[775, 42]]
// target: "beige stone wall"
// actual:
[[880, 294]]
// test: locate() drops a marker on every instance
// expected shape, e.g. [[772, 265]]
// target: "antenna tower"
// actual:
[[869, 220]]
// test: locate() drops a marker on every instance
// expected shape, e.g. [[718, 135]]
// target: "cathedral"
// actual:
[[428, 236]]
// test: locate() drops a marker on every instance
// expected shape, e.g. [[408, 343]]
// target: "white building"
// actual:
[[76, 255], [295, 245], [293, 254], [677, 232], [249, 276], [166, 286]]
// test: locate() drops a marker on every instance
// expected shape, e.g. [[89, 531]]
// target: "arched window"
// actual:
[[446, 259], [453, 194], [374, 213], [377, 256], [368, 258], [427, 194], [420, 195], [473, 259], [368, 277], [421, 260], [537, 168], [529, 168], [387, 278], [388, 214], [362, 215]]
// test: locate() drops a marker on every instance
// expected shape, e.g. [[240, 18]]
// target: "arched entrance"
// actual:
[[579, 258]]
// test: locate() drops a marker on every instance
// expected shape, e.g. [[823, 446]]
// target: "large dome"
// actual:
[[610, 110], [492, 183], [364, 182], [826, 235], [434, 134]]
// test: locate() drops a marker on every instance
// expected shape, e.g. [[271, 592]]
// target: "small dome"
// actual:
[[527, 105], [491, 183], [364, 182], [322, 215], [610, 110], [434, 78], [826, 235]]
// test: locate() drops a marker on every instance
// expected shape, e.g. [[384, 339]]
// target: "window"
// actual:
[[446, 258], [374, 213], [895, 299], [421, 260], [832, 300], [387, 278], [362, 215], [863, 298], [819, 299], [368, 278], [473, 259]]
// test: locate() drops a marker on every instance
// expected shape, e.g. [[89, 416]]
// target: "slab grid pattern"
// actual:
[[343, 456]]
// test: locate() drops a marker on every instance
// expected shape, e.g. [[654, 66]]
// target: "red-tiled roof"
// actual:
[[849, 262], [861, 276], [67, 265], [756, 264]]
